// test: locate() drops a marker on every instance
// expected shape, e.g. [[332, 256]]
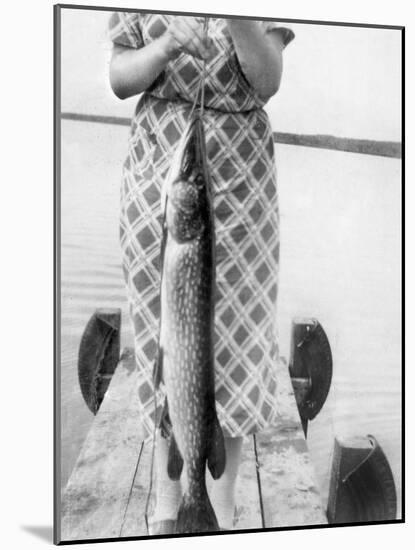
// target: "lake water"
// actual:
[[340, 263]]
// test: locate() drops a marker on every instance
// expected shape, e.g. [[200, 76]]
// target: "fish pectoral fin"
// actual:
[[217, 455], [175, 460], [165, 422], [158, 369]]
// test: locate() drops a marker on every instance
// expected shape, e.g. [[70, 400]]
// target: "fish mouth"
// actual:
[[194, 149]]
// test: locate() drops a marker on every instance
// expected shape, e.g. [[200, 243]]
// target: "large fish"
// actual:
[[186, 361]]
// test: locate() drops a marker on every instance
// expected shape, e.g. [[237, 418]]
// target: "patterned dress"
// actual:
[[240, 153]]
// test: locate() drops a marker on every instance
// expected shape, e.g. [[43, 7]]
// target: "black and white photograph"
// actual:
[[228, 261]]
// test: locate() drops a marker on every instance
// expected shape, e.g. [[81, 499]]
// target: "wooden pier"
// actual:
[[106, 494]]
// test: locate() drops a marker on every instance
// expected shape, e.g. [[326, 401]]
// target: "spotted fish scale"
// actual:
[[186, 360]]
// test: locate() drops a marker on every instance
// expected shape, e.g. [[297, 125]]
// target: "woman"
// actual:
[[163, 56]]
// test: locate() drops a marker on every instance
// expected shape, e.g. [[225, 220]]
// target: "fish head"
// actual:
[[188, 188]]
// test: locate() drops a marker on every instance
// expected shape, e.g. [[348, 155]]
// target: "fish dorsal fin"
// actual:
[[216, 455]]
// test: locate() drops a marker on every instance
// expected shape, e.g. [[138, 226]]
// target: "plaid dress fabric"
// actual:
[[240, 154]]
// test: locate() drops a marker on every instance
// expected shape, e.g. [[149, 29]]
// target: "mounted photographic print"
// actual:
[[228, 195]]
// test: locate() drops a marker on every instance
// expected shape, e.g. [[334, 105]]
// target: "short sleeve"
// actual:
[[287, 35], [124, 29]]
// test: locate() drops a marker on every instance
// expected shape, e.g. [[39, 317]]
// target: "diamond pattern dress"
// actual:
[[240, 153]]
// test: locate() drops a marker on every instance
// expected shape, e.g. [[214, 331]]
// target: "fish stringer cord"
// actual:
[[201, 85], [203, 76]]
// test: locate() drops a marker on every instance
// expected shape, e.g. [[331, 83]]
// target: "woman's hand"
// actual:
[[185, 34], [132, 70]]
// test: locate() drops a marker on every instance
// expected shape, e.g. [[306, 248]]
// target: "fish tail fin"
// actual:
[[216, 459], [196, 515]]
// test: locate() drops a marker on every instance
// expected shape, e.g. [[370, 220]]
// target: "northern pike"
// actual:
[[186, 360]]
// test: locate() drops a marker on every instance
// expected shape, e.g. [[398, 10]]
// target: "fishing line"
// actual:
[[258, 478], [195, 100], [131, 490], [153, 451]]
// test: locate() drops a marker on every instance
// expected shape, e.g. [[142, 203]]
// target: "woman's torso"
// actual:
[[226, 88], [240, 156], [237, 128]]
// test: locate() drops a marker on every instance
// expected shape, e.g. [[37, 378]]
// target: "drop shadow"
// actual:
[[43, 532]]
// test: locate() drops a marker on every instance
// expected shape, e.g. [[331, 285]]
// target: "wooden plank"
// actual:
[[284, 458], [247, 503], [134, 522], [247, 513], [290, 494], [96, 496], [106, 494]]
